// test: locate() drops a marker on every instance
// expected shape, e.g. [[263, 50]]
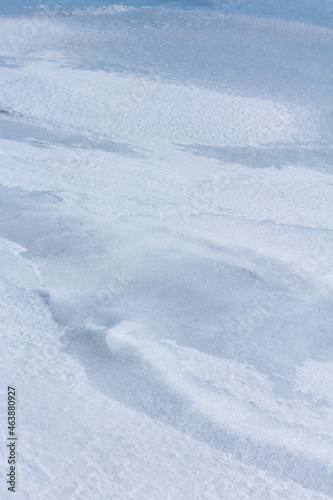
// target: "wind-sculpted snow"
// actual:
[[166, 218]]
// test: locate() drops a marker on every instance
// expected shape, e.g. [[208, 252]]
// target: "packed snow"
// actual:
[[166, 246]]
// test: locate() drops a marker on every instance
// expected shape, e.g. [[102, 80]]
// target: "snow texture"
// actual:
[[166, 218]]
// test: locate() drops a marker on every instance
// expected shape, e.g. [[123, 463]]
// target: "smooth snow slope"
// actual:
[[166, 217]]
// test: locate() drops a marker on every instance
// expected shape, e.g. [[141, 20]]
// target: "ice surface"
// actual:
[[166, 216]]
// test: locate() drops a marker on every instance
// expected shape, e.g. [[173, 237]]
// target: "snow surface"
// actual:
[[166, 217]]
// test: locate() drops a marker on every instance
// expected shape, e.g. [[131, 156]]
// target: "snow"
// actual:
[[166, 216]]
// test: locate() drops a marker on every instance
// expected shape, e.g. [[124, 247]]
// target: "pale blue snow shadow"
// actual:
[[7, 62], [43, 138], [23, 220], [265, 157]]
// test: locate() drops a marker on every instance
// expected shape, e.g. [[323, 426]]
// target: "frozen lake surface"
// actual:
[[166, 218]]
